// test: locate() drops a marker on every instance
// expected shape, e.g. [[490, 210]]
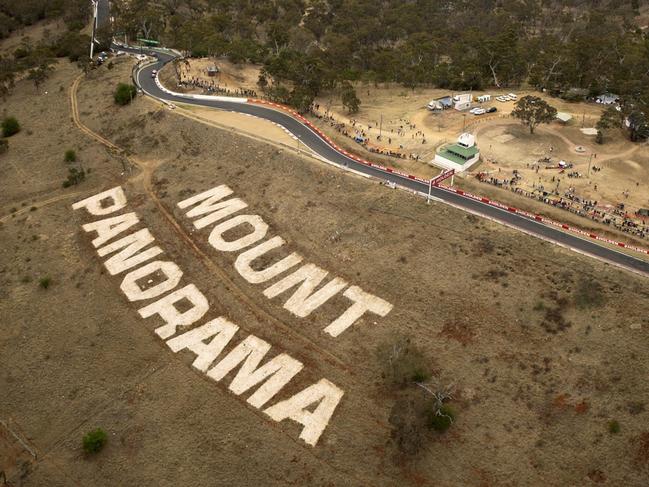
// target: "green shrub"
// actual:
[[70, 156], [613, 427], [404, 363], [45, 282], [442, 419], [124, 94], [94, 441], [10, 126]]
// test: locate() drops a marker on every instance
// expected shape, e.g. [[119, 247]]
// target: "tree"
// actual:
[[609, 119], [39, 74], [124, 94], [10, 126], [636, 123], [532, 111], [348, 97]]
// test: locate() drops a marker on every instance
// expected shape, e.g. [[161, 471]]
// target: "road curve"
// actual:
[[317, 144]]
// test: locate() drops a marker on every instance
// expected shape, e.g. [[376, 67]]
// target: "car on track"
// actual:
[[154, 73]]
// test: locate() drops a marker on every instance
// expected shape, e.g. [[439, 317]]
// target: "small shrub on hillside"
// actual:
[[124, 94], [44, 282], [10, 126], [408, 423], [75, 176], [440, 420], [403, 363], [94, 441], [70, 156], [613, 427], [4, 146]]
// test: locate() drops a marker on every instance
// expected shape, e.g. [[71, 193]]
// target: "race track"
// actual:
[[324, 149]]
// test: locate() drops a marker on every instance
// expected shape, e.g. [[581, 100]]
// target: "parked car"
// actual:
[[480, 111], [512, 96], [474, 109], [492, 110]]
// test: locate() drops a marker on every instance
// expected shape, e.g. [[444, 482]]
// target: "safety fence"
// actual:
[[389, 170]]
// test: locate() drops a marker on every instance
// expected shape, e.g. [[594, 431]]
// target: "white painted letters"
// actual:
[[276, 373], [207, 203], [242, 264], [222, 331], [166, 308], [324, 393], [305, 300], [94, 203], [110, 227], [130, 255], [362, 302], [134, 292]]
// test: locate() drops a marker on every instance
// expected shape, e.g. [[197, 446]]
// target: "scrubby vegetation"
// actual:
[[573, 49], [422, 404], [588, 293], [75, 176], [70, 156], [124, 94], [94, 441], [10, 126]]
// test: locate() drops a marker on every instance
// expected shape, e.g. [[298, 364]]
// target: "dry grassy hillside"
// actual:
[[544, 347]]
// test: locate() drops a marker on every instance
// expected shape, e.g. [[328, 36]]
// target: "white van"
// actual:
[[484, 98]]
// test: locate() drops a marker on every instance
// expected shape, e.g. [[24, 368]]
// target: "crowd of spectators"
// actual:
[[614, 216]]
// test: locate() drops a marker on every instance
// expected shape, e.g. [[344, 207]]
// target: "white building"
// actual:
[[462, 101], [460, 156]]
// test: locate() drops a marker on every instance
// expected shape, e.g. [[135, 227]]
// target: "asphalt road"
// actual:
[[312, 140]]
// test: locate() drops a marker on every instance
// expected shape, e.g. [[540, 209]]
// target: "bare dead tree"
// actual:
[[440, 394]]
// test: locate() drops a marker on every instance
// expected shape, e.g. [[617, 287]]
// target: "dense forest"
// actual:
[[570, 48]]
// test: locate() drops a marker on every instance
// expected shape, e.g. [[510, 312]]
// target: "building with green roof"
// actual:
[[459, 156]]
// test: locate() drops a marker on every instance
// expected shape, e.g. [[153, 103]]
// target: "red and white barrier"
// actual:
[[481, 199], [545, 220]]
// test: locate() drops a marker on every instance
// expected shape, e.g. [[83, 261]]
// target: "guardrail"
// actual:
[[390, 170]]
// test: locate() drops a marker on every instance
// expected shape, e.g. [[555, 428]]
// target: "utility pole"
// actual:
[[589, 161], [381, 127], [95, 4]]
